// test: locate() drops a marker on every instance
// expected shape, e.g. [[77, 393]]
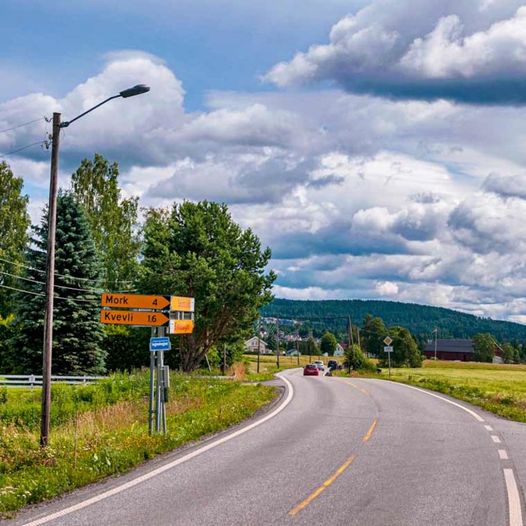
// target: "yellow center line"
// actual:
[[369, 433], [361, 389], [316, 493]]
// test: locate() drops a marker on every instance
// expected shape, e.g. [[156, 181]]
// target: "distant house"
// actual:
[[339, 351], [255, 344], [456, 349]]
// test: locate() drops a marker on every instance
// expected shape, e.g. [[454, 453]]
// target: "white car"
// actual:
[[319, 364]]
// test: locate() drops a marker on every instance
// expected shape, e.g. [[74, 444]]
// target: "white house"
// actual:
[[256, 343], [339, 351]]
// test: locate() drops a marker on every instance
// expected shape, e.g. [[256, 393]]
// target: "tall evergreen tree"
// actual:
[[113, 220], [77, 332], [14, 224]]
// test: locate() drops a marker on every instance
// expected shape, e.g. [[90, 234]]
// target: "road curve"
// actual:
[[343, 451]]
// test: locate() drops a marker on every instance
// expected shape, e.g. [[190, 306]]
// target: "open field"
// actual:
[[100, 430], [500, 389]]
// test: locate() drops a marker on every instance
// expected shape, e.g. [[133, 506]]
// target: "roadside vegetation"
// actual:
[[101, 430]]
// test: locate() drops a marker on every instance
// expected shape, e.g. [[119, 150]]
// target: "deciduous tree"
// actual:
[[196, 249], [484, 347], [14, 224], [113, 220], [405, 349], [328, 343]]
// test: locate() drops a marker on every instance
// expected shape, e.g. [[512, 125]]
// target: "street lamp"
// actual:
[[50, 266]]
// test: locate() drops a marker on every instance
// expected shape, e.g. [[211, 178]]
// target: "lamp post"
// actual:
[[50, 266]]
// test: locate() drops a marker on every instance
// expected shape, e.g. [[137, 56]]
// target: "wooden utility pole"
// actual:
[[350, 344], [298, 350], [259, 342], [277, 342], [50, 284]]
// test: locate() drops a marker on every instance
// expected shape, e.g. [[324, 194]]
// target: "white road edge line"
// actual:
[[166, 467], [503, 454], [514, 500], [488, 428], [476, 416]]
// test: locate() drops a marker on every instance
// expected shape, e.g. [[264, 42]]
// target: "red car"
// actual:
[[311, 370]]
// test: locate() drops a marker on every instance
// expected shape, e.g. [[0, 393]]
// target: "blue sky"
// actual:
[[211, 44], [377, 146]]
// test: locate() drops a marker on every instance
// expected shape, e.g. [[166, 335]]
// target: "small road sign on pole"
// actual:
[[182, 304], [133, 317], [160, 343], [388, 340], [181, 327], [388, 348], [134, 301]]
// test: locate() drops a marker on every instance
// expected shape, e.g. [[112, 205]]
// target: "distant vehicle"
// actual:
[[332, 365], [311, 370], [319, 364]]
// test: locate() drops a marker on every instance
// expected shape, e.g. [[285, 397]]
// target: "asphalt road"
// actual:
[[341, 452]]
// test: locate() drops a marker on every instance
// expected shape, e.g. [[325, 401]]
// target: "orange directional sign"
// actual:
[[121, 317], [134, 301], [181, 327], [182, 304]]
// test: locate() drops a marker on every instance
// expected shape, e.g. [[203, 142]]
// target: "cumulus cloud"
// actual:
[[357, 196], [387, 288], [464, 50], [506, 185]]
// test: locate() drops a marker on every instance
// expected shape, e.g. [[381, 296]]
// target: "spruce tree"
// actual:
[[77, 333]]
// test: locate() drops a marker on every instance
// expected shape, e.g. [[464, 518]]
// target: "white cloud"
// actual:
[[446, 53], [429, 54], [387, 288], [357, 196]]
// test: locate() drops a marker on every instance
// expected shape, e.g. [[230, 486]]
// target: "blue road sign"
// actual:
[[161, 343]]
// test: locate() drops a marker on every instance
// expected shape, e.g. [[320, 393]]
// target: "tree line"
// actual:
[[187, 249]]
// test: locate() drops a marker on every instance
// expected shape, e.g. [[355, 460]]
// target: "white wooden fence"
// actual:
[[33, 380]]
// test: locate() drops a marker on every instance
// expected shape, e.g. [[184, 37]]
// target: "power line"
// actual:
[[6, 154], [42, 294], [23, 124], [94, 291], [58, 275]]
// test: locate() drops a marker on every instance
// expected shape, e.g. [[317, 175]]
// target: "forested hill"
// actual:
[[419, 319]]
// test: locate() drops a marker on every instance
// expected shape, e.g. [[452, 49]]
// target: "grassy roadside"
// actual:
[[102, 430], [500, 389]]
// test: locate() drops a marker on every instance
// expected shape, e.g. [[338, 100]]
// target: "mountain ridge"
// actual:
[[419, 319]]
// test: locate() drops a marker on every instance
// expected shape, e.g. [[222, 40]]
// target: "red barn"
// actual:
[[457, 349]]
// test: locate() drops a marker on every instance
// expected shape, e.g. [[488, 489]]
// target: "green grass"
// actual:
[[500, 389], [101, 430]]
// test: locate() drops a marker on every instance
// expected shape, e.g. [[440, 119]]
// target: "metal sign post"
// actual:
[[388, 349], [180, 320]]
